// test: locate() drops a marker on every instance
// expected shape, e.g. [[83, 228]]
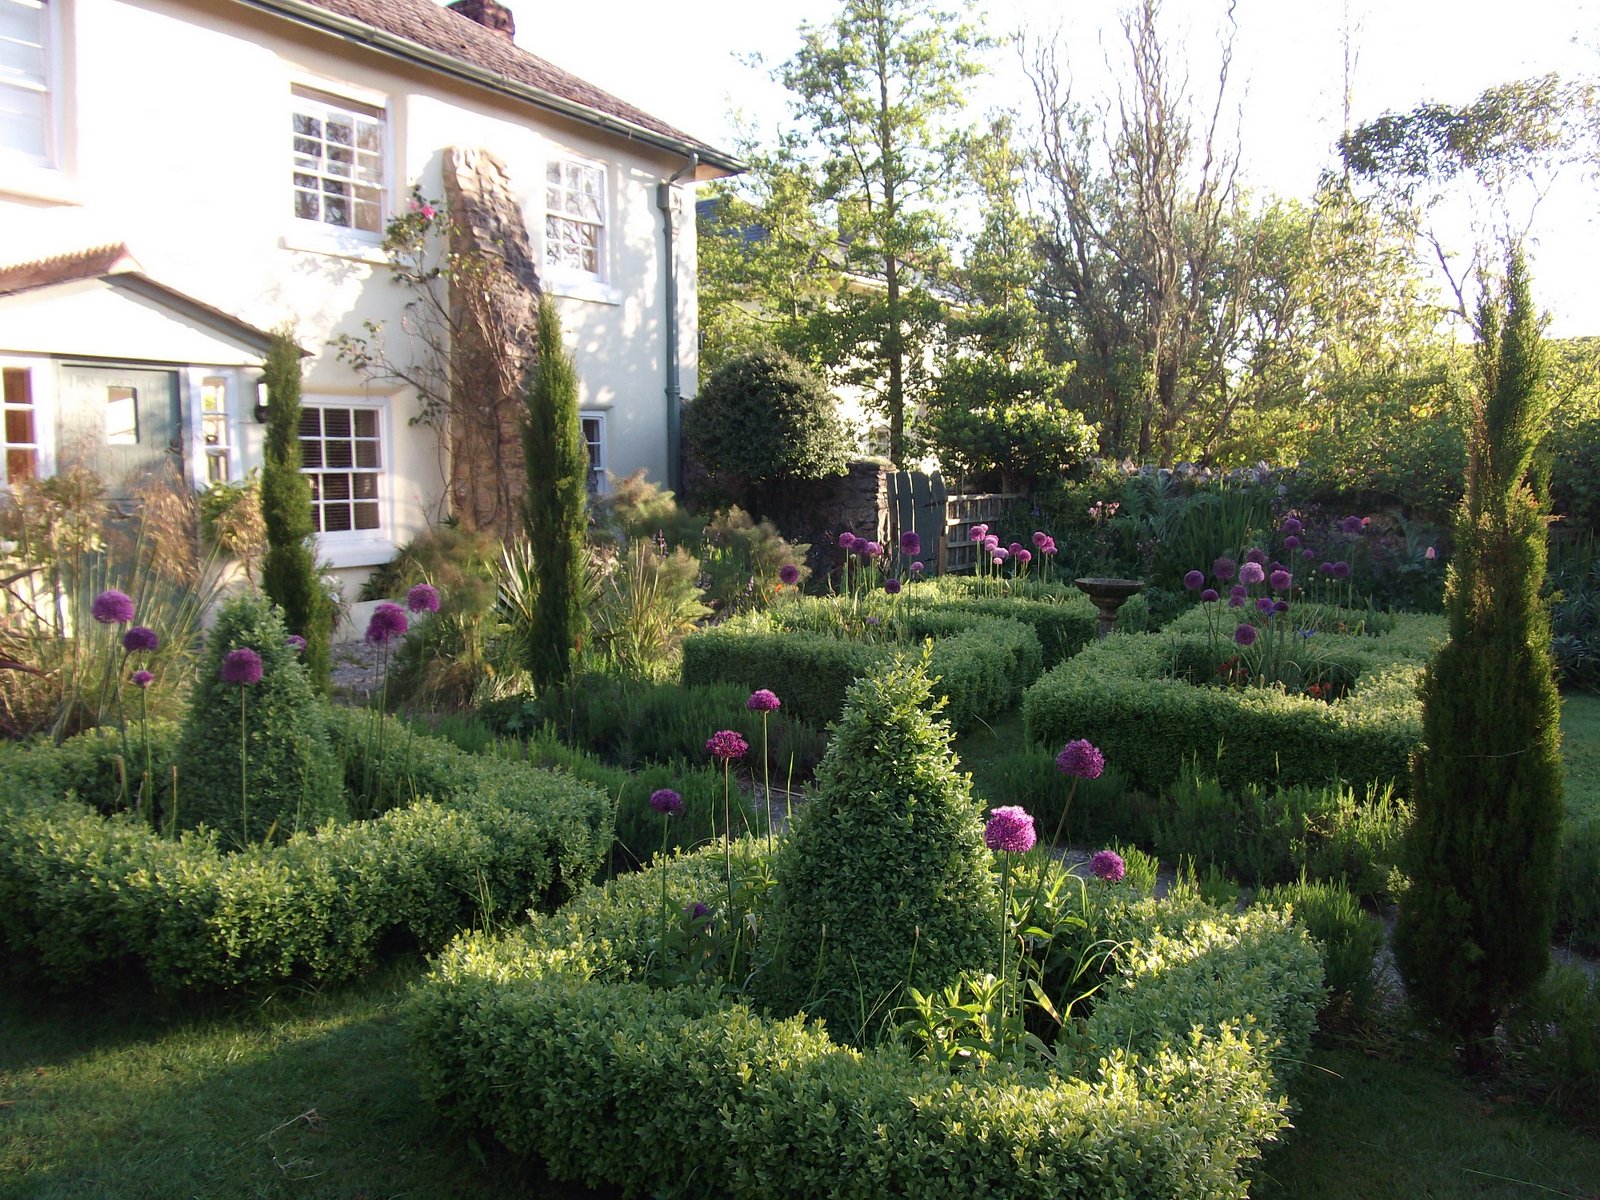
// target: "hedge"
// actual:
[[475, 842], [1120, 694], [549, 1038]]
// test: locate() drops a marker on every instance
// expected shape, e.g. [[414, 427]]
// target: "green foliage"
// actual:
[[816, 669], [1124, 696], [1347, 937], [475, 842], [554, 512], [646, 601], [1474, 928], [292, 779], [1553, 1040], [1572, 585], [289, 572], [884, 882], [550, 1039], [761, 420], [994, 421], [1577, 896]]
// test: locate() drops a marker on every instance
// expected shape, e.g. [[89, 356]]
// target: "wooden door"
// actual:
[[120, 422]]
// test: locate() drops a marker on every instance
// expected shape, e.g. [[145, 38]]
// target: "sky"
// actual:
[[689, 65]]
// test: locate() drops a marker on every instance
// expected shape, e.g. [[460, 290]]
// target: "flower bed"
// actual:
[[552, 1038], [1125, 695], [468, 841]]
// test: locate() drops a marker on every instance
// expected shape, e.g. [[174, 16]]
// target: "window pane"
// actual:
[[22, 120], [336, 518], [337, 453], [367, 454], [335, 486], [19, 426], [21, 464], [122, 416], [365, 422], [366, 516], [18, 385], [335, 422]]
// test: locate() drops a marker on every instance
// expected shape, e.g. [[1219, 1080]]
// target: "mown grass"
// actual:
[[1580, 749]]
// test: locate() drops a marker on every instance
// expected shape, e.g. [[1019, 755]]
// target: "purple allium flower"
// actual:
[[789, 573], [1024, 556], [1235, 601], [697, 911], [140, 637], [1224, 568], [1280, 606], [423, 598], [1108, 865], [1326, 568], [112, 607], [1238, 591], [1308, 554], [1281, 580], [1049, 548], [869, 549], [1264, 605], [1015, 548], [1009, 829], [1081, 760], [1040, 537], [1194, 581], [892, 586], [911, 543], [761, 700], [1256, 555], [143, 678], [296, 643], [917, 568], [999, 554], [1209, 596], [847, 540], [727, 745], [1291, 526], [388, 621], [978, 532], [666, 802], [1350, 525], [1245, 635], [991, 542], [1291, 542], [1341, 570], [1252, 572], [241, 666]]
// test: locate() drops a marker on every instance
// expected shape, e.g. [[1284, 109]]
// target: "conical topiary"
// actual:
[[292, 780], [884, 881]]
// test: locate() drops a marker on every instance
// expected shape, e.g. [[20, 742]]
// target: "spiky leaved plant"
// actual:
[[1474, 927]]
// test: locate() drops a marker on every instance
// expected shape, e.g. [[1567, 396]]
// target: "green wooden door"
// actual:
[[120, 422]]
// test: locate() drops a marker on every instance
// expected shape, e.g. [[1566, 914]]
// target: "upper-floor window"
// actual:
[[25, 101], [575, 219], [338, 161]]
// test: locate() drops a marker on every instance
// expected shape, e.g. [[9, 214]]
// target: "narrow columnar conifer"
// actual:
[[289, 572], [1474, 926], [554, 506]]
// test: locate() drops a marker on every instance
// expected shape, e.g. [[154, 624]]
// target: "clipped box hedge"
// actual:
[[548, 1038], [474, 842], [1121, 695]]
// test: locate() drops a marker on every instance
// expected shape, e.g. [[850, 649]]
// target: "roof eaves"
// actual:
[[384, 42]]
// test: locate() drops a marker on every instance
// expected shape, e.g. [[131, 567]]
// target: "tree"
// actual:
[[1474, 927], [555, 502], [289, 570], [878, 88]]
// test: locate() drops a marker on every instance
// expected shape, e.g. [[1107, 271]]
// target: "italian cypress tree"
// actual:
[[289, 572], [1474, 926], [554, 513]]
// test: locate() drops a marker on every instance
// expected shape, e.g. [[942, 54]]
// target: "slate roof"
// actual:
[[434, 36]]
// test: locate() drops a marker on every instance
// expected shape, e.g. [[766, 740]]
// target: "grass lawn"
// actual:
[[1580, 749]]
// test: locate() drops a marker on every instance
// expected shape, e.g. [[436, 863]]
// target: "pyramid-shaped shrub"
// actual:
[[885, 880], [293, 779]]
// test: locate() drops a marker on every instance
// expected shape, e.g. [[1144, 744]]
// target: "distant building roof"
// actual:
[[90, 263], [421, 32]]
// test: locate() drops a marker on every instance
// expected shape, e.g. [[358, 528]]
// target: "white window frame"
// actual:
[[569, 278], [310, 94], [596, 449], [356, 547], [43, 176], [41, 393]]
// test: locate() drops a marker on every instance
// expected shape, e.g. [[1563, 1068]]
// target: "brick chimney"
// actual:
[[489, 14]]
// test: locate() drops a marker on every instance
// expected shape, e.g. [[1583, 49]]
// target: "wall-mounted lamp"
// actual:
[[263, 400]]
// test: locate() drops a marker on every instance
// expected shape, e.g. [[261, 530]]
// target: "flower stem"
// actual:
[[244, 759]]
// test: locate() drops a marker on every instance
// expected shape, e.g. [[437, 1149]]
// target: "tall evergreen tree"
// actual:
[[1474, 929], [554, 512], [289, 572]]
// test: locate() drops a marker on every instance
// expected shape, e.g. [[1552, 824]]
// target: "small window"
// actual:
[[341, 450], [214, 428], [594, 440], [575, 219], [22, 445], [338, 162], [122, 416], [25, 108]]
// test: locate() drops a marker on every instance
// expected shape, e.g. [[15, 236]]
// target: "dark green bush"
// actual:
[[815, 669], [1347, 936], [884, 882], [292, 779], [82, 894], [1122, 695], [1578, 889], [549, 1038], [1553, 1040]]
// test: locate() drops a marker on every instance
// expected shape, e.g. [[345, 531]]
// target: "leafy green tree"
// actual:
[[763, 420], [1474, 928], [878, 89], [555, 503], [289, 570]]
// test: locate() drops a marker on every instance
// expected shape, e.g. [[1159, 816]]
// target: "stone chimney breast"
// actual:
[[489, 14]]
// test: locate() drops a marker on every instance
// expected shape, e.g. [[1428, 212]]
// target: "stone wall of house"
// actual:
[[494, 303]]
